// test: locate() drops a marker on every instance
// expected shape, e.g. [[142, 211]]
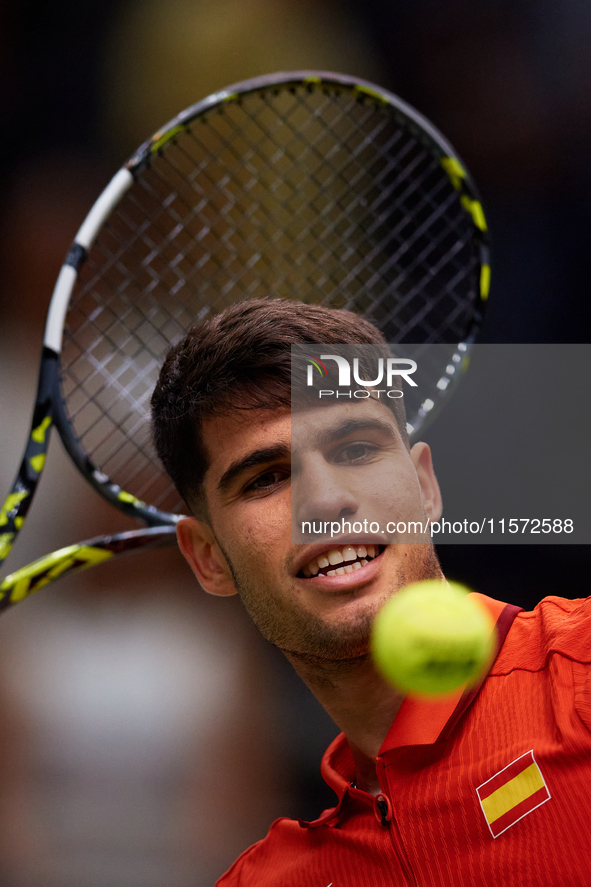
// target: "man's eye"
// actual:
[[265, 482], [355, 452]]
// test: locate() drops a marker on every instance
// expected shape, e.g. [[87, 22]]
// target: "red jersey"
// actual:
[[488, 787]]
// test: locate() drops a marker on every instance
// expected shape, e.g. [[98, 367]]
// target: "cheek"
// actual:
[[400, 499], [396, 484], [259, 532]]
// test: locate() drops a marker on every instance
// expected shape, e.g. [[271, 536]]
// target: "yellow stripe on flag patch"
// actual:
[[513, 793]]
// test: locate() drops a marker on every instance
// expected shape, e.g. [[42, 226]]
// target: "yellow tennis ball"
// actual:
[[431, 638]]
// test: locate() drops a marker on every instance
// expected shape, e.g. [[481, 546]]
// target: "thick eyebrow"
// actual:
[[257, 457], [353, 426]]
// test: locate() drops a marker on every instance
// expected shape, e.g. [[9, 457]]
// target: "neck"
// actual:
[[360, 702]]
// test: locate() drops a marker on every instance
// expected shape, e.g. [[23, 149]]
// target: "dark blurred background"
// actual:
[[148, 734]]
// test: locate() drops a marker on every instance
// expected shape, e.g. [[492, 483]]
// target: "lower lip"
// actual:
[[346, 580]]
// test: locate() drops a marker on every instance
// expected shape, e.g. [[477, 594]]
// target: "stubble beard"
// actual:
[[308, 638]]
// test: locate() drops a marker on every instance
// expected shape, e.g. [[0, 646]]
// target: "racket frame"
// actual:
[[75, 558], [49, 407]]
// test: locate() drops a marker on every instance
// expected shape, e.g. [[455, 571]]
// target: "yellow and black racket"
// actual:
[[304, 185]]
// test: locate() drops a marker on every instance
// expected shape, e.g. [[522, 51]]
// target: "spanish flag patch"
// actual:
[[512, 793]]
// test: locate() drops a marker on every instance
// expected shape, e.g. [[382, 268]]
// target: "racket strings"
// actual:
[[394, 163], [308, 193], [297, 162]]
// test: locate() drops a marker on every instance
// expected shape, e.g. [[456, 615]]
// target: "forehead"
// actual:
[[319, 426], [236, 434]]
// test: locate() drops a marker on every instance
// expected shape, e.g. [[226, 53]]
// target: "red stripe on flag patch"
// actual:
[[512, 793], [504, 822]]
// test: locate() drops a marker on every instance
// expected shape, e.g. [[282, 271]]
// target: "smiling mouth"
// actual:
[[338, 561]]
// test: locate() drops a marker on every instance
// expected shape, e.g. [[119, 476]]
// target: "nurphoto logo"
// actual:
[[387, 369]]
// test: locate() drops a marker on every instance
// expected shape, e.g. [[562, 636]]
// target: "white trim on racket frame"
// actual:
[[112, 194]]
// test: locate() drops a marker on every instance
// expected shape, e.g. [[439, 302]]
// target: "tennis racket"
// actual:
[[305, 185]]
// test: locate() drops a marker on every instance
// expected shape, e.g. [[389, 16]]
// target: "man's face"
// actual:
[[352, 479], [314, 600]]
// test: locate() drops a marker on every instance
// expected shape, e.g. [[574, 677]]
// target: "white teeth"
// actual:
[[347, 555], [340, 571]]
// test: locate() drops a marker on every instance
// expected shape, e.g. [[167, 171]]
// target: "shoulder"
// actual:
[[548, 651], [269, 860], [556, 626]]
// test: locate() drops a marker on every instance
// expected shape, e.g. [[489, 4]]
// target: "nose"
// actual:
[[319, 493]]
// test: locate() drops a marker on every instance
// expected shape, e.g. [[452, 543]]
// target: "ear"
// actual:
[[204, 556], [430, 492]]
